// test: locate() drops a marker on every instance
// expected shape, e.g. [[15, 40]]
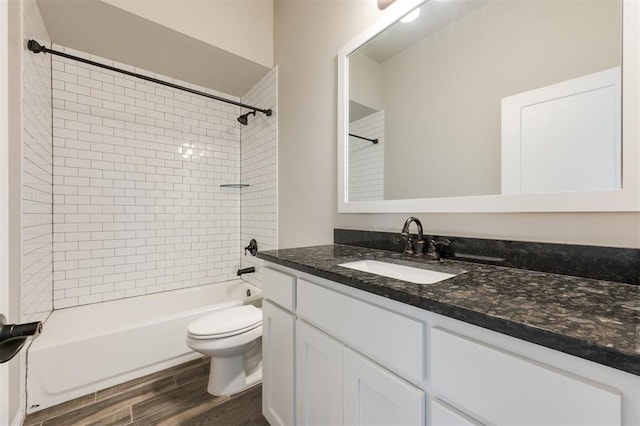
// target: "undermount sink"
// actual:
[[399, 272]]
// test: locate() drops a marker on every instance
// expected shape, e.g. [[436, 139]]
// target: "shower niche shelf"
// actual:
[[234, 185]]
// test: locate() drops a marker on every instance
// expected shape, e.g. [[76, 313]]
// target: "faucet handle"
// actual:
[[408, 247], [433, 251], [444, 242]]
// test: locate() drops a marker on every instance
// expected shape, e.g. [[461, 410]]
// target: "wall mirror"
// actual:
[[491, 106]]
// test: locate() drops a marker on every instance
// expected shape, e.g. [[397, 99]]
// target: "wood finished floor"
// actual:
[[176, 396]]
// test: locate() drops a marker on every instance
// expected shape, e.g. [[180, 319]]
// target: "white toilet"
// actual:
[[232, 338]]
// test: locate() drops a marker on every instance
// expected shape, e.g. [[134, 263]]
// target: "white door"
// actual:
[[375, 396], [278, 365], [4, 195], [563, 137], [318, 377]]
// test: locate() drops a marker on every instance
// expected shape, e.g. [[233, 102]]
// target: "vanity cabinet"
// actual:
[[277, 364], [319, 371], [365, 359], [373, 395], [334, 383]]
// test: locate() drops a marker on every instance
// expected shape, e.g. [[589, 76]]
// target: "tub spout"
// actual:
[[246, 270]]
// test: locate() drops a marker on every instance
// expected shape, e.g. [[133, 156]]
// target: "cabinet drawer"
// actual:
[[507, 389], [279, 288], [444, 415], [393, 340]]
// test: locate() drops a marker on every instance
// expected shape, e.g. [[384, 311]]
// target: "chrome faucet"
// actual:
[[404, 235]]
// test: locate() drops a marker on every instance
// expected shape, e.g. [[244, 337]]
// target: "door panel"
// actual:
[[375, 396], [318, 377], [277, 365]]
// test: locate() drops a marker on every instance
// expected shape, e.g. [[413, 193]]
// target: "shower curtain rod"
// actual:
[[374, 141], [36, 47]]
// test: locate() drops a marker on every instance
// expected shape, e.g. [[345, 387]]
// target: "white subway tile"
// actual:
[[156, 220]]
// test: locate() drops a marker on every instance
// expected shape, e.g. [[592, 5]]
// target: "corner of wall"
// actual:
[[36, 286], [259, 169]]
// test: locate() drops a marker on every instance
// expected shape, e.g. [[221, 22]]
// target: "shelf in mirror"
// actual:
[[234, 185]]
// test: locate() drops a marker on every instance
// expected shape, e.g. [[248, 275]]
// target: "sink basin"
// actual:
[[399, 272]]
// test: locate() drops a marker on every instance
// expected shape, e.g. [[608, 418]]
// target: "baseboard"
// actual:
[[18, 420]]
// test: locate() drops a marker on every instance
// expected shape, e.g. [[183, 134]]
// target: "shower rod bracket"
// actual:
[[36, 47]]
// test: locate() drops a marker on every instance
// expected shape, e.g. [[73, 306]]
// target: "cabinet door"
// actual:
[[375, 396], [278, 328], [318, 377]]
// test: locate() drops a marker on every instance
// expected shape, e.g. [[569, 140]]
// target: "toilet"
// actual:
[[232, 338]]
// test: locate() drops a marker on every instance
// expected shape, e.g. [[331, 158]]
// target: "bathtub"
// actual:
[[88, 348]]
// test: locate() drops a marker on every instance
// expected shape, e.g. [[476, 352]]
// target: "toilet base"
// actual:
[[227, 376]]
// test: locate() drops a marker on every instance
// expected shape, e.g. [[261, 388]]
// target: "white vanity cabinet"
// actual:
[[278, 347], [319, 371], [365, 359], [335, 384], [277, 364], [372, 392], [374, 395]]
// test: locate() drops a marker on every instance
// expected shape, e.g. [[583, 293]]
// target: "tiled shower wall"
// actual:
[[259, 153], [366, 159], [37, 165], [138, 206]]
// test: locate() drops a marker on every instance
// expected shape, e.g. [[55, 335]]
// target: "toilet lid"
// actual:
[[226, 322]]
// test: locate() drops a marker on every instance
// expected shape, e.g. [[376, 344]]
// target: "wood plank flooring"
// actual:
[[176, 396]]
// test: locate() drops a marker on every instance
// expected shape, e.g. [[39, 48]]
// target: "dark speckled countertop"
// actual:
[[591, 319]]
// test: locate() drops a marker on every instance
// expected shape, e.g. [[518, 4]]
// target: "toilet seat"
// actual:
[[226, 323]]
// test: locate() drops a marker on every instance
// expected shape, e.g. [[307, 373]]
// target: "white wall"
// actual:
[[37, 174], [244, 28], [16, 368], [134, 211], [259, 169], [307, 38], [365, 81]]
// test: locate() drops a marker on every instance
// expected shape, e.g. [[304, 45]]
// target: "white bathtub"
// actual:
[[88, 348]]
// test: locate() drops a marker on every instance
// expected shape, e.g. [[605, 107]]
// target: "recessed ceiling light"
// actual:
[[411, 16]]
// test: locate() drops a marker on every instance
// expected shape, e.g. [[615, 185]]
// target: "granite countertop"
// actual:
[[591, 319]]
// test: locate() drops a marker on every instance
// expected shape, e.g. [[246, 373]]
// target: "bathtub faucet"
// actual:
[[246, 270]]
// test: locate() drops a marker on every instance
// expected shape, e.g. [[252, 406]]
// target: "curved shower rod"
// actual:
[[36, 47]]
